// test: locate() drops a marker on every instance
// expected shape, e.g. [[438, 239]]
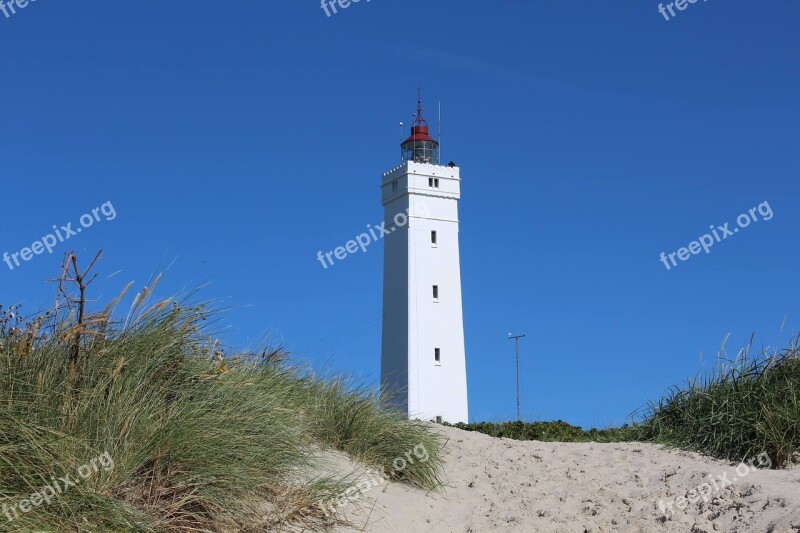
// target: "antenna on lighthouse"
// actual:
[[418, 115], [440, 128], [401, 138]]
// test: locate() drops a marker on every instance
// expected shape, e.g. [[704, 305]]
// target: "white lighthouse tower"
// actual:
[[423, 364]]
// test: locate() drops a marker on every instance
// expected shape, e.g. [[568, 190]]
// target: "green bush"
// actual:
[[557, 431]]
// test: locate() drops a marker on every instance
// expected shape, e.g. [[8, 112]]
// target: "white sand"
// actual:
[[507, 485]]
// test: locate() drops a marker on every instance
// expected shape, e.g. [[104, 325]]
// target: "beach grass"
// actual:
[[742, 409], [191, 440]]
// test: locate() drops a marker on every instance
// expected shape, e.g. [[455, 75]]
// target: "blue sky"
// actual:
[[236, 140]]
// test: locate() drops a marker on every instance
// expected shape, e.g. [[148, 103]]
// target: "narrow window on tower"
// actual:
[[433, 183], [437, 356], [434, 242], [394, 186], [435, 293]]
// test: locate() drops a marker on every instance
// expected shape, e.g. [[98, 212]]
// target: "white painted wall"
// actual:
[[413, 324]]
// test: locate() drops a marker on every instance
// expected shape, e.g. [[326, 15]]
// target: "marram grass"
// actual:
[[198, 443], [741, 410]]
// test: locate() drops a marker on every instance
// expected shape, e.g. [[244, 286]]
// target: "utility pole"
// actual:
[[516, 343]]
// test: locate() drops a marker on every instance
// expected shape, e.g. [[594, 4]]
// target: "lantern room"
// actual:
[[420, 147]]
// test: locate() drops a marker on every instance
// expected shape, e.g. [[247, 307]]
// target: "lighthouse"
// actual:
[[423, 361]]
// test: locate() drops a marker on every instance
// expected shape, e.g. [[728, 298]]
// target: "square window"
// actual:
[[433, 183], [437, 356], [438, 419]]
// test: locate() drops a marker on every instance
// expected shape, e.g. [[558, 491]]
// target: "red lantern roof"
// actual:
[[419, 133]]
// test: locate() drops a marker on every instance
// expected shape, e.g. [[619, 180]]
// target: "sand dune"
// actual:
[[507, 485]]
